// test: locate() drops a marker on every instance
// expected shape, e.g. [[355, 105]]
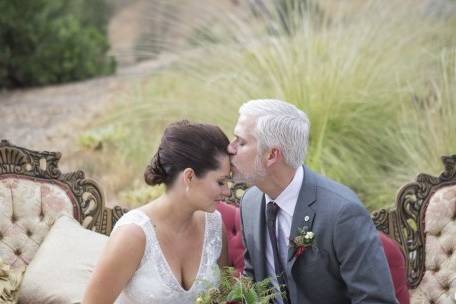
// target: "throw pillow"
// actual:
[[60, 270]]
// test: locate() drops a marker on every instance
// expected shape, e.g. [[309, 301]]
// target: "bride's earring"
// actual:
[[187, 189]]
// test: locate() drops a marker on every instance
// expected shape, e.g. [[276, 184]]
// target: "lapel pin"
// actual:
[[306, 218]]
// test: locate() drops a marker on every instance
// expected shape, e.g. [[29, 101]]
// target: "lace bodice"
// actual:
[[154, 281]]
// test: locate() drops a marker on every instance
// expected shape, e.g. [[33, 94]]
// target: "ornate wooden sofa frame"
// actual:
[[87, 198], [34, 192], [423, 222], [406, 223]]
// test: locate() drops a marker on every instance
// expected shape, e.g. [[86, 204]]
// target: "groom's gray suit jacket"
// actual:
[[346, 263]]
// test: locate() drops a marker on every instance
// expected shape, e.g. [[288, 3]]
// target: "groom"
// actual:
[[311, 234]]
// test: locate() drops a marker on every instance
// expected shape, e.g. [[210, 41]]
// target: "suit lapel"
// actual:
[[304, 215], [259, 234]]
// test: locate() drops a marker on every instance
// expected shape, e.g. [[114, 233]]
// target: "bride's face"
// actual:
[[212, 187]]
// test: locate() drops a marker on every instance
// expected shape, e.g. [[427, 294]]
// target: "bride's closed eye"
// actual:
[[223, 181]]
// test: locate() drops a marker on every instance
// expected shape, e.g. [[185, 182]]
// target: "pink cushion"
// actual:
[[231, 217], [396, 263]]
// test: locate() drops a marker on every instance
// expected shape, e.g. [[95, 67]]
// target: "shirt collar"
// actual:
[[289, 196]]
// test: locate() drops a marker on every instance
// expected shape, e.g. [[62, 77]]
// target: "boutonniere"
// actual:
[[303, 240]]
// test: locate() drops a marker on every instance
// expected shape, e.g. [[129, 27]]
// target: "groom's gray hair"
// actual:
[[281, 125]]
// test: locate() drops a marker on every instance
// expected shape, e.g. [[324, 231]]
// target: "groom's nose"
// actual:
[[231, 148]]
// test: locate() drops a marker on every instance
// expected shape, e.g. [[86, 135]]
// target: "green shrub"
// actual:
[[93, 13], [45, 42]]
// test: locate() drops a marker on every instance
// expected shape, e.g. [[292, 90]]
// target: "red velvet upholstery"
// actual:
[[396, 263], [232, 219], [396, 260]]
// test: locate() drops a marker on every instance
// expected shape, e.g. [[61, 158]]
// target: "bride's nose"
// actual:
[[226, 191]]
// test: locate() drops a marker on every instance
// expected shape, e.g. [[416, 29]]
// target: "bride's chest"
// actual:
[[154, 283]]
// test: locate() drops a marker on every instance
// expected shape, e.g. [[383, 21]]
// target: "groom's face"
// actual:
[[246, 163]]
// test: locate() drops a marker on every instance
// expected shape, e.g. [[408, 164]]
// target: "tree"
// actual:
[[47, 41]]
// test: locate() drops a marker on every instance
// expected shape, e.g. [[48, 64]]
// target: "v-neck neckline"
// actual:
[[171, 274]]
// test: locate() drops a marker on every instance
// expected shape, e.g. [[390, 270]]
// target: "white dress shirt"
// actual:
[[287, 202]]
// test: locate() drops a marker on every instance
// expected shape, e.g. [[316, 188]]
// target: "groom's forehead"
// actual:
[[243, 133], [244, 126]]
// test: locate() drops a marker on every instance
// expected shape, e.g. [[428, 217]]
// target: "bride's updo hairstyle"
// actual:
[[186, 145]]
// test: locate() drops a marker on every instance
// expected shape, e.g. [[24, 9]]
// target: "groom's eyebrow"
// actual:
[[237, 137]]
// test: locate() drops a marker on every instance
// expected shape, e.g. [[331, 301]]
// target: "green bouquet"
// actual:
[[235, 289]]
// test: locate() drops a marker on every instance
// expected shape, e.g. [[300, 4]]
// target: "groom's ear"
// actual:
[[273, 156]]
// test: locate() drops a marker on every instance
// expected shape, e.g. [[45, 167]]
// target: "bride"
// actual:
[[170, 250]]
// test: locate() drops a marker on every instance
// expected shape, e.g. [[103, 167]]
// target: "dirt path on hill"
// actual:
[[51, 118]]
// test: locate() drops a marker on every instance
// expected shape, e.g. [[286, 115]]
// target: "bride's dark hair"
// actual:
[[186, 145]]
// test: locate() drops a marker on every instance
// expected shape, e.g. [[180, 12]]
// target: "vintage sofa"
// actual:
[[35, 195], [423, 222]]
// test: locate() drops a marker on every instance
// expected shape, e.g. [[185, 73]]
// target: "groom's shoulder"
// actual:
[[334, 199], [330, 189]]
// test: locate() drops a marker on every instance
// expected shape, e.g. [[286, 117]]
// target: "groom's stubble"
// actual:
[[241, 175]]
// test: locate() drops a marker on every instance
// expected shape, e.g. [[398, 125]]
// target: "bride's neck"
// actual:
[[169, 210]]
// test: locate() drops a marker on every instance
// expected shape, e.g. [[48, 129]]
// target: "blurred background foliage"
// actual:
[[377, 79], [53, 41]]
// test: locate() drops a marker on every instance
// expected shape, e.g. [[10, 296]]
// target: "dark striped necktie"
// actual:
[[271, 213]]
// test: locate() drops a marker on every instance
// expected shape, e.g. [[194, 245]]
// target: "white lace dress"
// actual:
[[154, 281]]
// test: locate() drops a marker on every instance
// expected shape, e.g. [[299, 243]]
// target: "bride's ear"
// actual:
[[188, 175]]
